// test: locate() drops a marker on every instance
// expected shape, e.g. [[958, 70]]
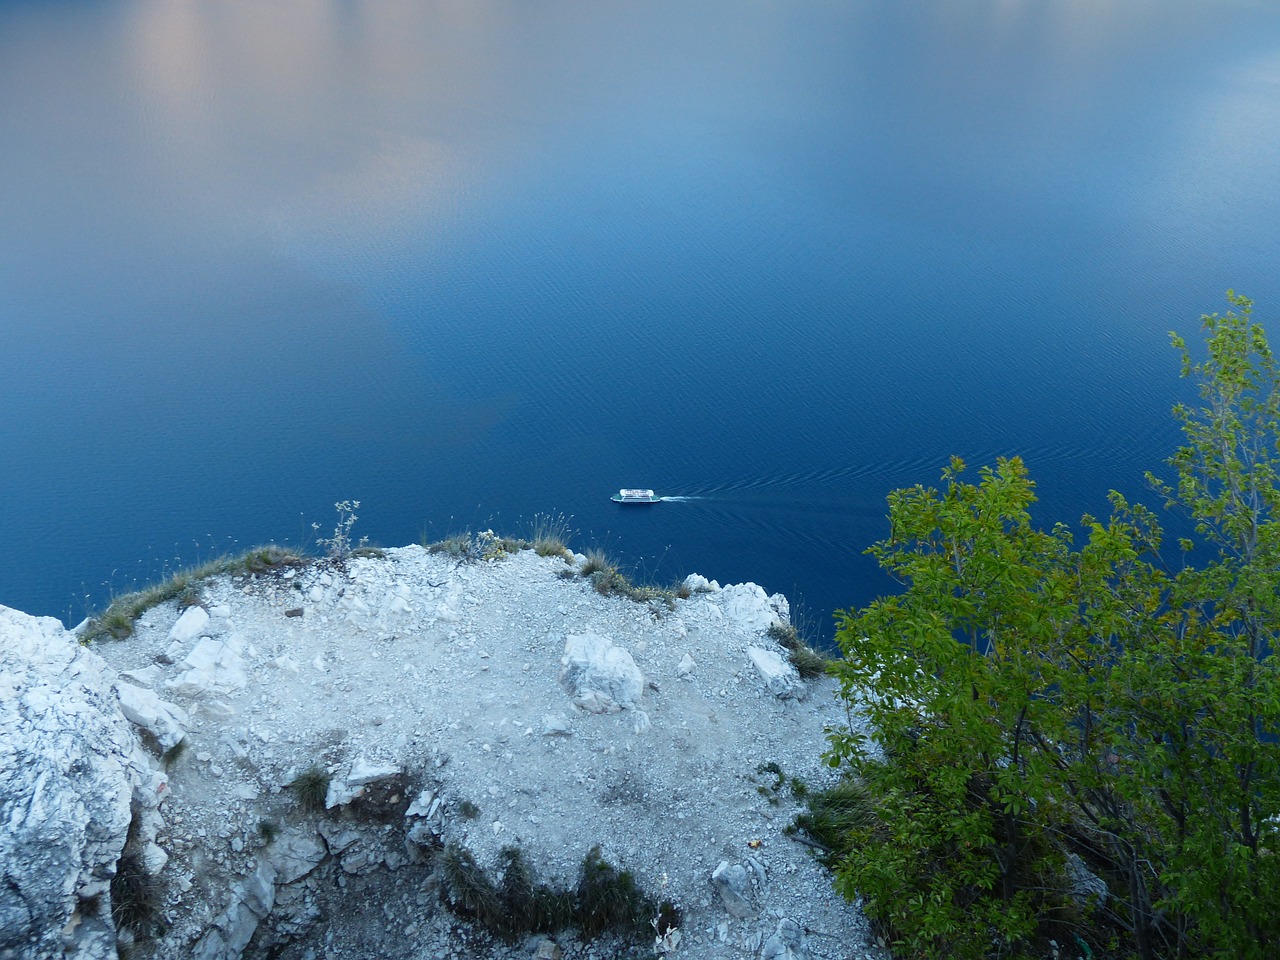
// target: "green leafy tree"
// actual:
[[1033, 700]]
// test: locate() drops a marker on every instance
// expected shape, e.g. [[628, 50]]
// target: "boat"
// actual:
[[635, 496]]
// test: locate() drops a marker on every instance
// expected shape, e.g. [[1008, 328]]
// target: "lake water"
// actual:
[[469, 262]]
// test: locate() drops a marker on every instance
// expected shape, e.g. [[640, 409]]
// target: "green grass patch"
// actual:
[[457, 546], [311, 787], [834, 816], [136, 897], [809, 663], [118, 620], [605, 900], [551, 535]]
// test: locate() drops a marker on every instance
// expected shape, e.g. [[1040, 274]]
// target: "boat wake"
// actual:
[[681, 499]]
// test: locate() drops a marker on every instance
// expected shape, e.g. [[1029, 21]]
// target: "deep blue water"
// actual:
[[470, 262]]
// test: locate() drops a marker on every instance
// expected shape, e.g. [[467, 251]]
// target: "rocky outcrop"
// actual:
[[599, 676], [72, 780], [780, 678], [329, 731]]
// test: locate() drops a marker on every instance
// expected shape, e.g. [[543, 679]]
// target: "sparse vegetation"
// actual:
[[833, 817], [268, 830], [174, 754], [467, 547], [135, 896], [551, 536], [605, 899], [338, 547], [596, 562], [465, 888], [468, 810], [191, 596], [784, 633], [266, 559], [457, 545], [809, 663], [527, 905], [118, 619], [771, 791], [311, 787], [609, 900], [608, 581]]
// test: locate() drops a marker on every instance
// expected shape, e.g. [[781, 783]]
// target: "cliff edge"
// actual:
[[337, 760]]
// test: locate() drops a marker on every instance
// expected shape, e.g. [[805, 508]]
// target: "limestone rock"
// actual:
[[294, 854], [190, 625], [213, 667], [700, 584], [556, 726], [424, 804], [747, 606], [780, 678], [734, 886], [251, 901], [342, 790], [69, 767], [164, 721], [172, 653], [781, 607], [144, 677], [337, 838], [787, 943], [600, 676]]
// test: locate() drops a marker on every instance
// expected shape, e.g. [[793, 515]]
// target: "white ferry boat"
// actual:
[[635, 496]]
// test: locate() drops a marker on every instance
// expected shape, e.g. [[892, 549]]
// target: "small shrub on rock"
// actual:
[[608, 899], [596, 562], [551, 536], [808, 662], [834, 818], [604, 901], [466, 888], [311, 787], [136, 896]]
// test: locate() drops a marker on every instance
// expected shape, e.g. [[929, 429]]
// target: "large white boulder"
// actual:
[[190, 625], [747, 606], [213, 667], [69, 767], [164, 721], [780, 677], [600, 676], [362, 772]]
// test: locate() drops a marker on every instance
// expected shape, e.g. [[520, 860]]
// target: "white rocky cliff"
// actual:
[[73, 780], [295, 766]]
